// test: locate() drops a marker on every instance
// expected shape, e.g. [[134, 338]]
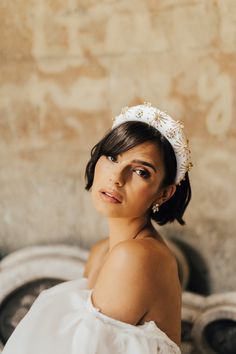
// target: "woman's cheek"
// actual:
[[100, 169], [143, 193], [103, 166]]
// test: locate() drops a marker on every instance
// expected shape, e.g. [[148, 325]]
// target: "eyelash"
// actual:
[[144, 173], [110, 158]]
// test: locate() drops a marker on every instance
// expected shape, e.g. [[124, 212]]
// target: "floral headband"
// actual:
[[171, 129]]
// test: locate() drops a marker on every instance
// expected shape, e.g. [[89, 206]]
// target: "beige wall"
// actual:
[[68, 66]]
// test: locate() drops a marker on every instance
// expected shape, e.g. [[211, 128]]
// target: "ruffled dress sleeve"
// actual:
[[63, 320]]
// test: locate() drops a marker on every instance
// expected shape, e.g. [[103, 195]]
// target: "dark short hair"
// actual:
[[130, 134]]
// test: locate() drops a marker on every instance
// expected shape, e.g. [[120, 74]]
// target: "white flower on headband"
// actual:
[[171, 129]]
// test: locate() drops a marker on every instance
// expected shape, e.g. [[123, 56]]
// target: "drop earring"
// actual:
[[155, 208]]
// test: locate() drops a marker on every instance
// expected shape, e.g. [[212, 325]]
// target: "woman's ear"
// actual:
[[165, 194]]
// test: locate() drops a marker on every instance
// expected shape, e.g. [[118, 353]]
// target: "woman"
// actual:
[[129, 300]]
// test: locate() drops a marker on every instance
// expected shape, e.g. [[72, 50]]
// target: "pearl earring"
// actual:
[[155, 208]]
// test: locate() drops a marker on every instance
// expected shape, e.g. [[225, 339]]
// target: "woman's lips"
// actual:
[[111, 196]]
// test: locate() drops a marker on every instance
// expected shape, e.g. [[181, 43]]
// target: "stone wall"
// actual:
[[67, 67]]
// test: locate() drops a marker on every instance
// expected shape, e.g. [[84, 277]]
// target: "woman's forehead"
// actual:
[[148, 151]]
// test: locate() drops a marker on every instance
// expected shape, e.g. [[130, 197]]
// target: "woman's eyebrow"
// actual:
[[145, 163]]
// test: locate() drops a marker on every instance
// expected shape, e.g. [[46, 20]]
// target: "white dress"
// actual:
[[63, 320]]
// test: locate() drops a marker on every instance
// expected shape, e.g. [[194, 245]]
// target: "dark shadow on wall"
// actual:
[[199, 280]]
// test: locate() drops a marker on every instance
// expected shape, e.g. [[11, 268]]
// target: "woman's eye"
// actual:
[[142, 173], [112, 158]]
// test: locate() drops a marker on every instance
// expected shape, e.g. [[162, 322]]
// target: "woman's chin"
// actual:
[[107, 210]]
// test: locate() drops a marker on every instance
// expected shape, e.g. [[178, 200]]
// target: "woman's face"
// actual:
[[127, 185]]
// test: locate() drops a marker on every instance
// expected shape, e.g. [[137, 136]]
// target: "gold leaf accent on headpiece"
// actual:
[[139, 114], [159, 118], [185, 167], [170, 133], [180, 124], [181, 147], [124, 109], [190, 165]]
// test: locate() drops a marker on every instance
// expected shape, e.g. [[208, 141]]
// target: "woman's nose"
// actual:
[[118, 177]]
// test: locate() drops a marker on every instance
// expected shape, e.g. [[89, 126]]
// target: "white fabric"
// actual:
[[63, 320]]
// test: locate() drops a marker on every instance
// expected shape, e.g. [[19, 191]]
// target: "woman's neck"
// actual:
[[126, 229]]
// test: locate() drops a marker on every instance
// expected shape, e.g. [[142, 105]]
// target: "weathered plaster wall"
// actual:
[[68, 66]]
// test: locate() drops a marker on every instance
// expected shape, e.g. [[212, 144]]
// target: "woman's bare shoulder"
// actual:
[[97, 252], [100, 245], [156, 247], [145, 274], [158, 264], [162, 257], [151, 252]]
